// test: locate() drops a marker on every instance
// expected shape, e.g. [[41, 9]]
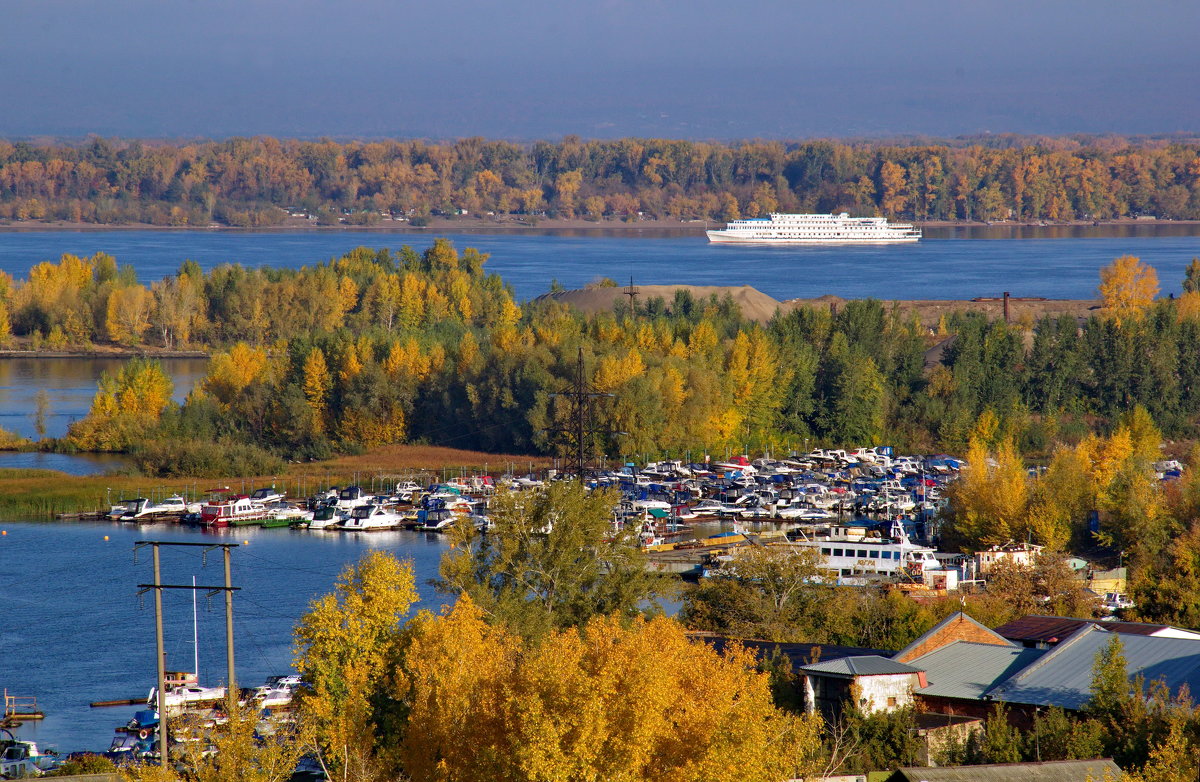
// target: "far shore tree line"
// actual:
[[381, 347], [249, 182]]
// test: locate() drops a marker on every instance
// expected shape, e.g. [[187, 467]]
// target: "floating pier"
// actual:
[[18, 709]]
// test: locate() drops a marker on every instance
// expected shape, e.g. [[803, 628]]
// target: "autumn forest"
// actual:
[[250, 181]]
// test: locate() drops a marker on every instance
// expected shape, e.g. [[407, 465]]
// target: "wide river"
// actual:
[[74, 629], [949, 264]]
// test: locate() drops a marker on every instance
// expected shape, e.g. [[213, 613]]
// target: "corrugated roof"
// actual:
[[1052, 771], [1046, 628], [864, 665], [965, 669], [1063, 676]]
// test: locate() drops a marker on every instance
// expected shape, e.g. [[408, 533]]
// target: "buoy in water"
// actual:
[[245, 543], [106, 537]]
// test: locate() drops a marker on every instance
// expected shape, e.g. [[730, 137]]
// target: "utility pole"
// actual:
[[578, 426], [158, 586], [231, 684], [161, 658], [632, 293]]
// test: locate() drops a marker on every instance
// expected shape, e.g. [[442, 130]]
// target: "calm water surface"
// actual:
[[949, 264], [74, 630], [70, 384]]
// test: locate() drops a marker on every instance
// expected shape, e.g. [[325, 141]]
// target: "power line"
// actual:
[[158, 586]]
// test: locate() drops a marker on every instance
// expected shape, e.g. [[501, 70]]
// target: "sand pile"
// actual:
[[755, 304]]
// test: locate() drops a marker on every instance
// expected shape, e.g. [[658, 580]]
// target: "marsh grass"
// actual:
[[31, 494]]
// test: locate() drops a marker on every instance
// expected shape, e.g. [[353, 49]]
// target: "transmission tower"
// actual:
[[578, 426]]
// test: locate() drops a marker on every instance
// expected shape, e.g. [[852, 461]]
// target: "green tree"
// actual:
[[1001, 742], [551, 560], [1191, 277]]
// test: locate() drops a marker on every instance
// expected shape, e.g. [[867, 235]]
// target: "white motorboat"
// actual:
[[267, 495], [185, 696], [369, 517], [327, 517], [174, 505]]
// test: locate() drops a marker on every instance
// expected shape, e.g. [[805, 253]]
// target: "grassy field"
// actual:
[[44, 494]]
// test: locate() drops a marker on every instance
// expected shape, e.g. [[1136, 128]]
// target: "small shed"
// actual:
[[874, 683]]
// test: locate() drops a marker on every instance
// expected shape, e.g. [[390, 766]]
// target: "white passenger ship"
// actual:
[[815, 229], [852, 550]]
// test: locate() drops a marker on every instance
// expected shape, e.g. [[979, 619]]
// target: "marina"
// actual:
[[689, 518]]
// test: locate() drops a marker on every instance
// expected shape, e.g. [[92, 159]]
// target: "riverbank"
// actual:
[[523, 224], [96, 351]]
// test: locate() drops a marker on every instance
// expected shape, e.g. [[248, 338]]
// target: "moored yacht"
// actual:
[[369, 517]]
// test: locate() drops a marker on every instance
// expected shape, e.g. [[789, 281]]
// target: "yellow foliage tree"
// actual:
[[468, 351], [406, 362], [1145, 438], [317, 385], [127, 403], [127, 316], [343, 647], [1187, 306], [1127, 288], [5, 325], [615, 371], [232, 371], [351, 364], [991, 498], [347, 295], [606, 701]]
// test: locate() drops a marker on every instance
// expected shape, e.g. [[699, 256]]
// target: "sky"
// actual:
[[542, 69]]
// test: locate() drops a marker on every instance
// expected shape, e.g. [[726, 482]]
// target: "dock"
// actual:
[[18, 709], [88, 516]]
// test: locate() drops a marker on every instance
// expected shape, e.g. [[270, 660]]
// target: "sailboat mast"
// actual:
[[195, 634]]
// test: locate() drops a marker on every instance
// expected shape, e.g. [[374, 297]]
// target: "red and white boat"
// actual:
[[233, 512]]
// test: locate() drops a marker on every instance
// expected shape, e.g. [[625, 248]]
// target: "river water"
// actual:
[[1055, 262], [69, 385], [72, 630], [75, 631]]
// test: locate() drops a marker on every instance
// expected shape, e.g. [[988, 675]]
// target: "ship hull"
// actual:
[[721, 237]]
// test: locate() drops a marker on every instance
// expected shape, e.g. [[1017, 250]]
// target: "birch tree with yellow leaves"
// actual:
[[604, 701], [1127, 287], [344, 647], [128, 402]]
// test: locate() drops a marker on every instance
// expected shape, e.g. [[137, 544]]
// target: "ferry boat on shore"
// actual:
[[851, 550], [814, 229]]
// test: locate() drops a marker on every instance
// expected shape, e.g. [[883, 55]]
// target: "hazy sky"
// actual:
[[527, 69]]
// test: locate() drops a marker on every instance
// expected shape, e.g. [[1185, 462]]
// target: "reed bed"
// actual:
[[30, 494]]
